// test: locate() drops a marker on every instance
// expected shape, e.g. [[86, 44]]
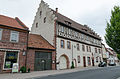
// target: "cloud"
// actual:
[[94, 13]]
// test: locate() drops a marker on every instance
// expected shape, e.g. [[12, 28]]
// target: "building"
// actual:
[[112, 57], [105, 53], [13, 43], [73, 41], [40, 54]]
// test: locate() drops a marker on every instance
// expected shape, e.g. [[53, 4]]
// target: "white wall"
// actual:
[[45, 29], [60, 51]]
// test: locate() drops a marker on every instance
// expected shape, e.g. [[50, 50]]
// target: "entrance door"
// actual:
[[93, 62], [84, 61], [63, 62], [43, 61]]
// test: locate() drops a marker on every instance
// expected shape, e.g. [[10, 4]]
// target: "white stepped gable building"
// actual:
[[73, 41]]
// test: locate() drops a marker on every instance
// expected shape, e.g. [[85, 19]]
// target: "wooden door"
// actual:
[[93, 62], [84, 61]]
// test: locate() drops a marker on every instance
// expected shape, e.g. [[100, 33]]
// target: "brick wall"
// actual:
[[21, 45], [31, 58]]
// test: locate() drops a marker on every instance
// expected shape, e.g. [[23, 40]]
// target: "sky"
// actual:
[[94, 13]]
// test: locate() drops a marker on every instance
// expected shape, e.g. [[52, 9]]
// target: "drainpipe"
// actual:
[[26, 49]]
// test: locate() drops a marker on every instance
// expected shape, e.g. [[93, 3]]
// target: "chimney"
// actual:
[[56, 10]]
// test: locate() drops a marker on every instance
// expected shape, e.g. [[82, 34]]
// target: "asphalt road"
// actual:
[[102, 73]]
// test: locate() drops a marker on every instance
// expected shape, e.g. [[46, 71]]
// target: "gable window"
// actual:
[[68, 45], [78, 59], [44, 19], [0, 34], [14, 36], [83, 47], [36, 25], [62, 44], [40, 13], [78, 47], [10, 58]]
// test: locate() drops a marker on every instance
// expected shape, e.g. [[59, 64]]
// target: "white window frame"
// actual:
[[1, 33], [11, 37], [5, 58]]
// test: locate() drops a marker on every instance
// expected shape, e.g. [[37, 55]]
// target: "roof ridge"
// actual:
[[21, 23]]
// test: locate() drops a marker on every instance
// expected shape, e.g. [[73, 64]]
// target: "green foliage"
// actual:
[[72, 65], [112, 35], [23, 69], [118, 56], [28, 70]]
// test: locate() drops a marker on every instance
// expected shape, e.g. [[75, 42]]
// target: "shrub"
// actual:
[[23, 69], [72, 65], [28, 70]]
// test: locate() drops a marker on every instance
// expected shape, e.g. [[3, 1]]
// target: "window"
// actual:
[[36, 25], [62, 29], [14, 36], [88, 58], [0, 34], [44, 19], [78, 47], [83, 47], [95, 50], [96, 59], [78, 59], [68, 45], [87, 48], [99, 50], [40, 13], [62, 44], [11, 57]]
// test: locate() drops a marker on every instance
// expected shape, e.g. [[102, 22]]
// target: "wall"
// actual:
[[7, 45], [60, 51], [45, 29], [31, 58]]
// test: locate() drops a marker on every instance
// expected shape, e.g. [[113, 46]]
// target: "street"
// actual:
[[102, 73]]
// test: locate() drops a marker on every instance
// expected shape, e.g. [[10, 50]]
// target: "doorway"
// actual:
[[84, 61], [43, 61]]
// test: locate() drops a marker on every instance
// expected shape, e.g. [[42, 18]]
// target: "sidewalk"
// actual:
[[41, 73]]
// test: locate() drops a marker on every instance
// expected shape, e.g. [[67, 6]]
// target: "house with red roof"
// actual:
[[40, 54], [13, 43]]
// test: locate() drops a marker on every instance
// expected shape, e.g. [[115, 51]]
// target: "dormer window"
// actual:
[[44, 19]]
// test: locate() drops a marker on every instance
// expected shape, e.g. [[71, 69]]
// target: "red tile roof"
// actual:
[[37, 41], [12, 22]]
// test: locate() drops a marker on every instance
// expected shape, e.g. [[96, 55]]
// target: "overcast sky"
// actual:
[[94, 13]]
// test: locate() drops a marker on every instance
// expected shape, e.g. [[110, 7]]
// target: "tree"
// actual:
[[112, 35]]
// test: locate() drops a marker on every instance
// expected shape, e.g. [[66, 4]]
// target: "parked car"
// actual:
[[102, 64], [112, 64]]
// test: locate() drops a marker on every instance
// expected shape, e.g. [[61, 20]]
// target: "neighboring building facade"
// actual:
[[105, 53], [40, 55], [73, 41], [13, 43], [112, 57]]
